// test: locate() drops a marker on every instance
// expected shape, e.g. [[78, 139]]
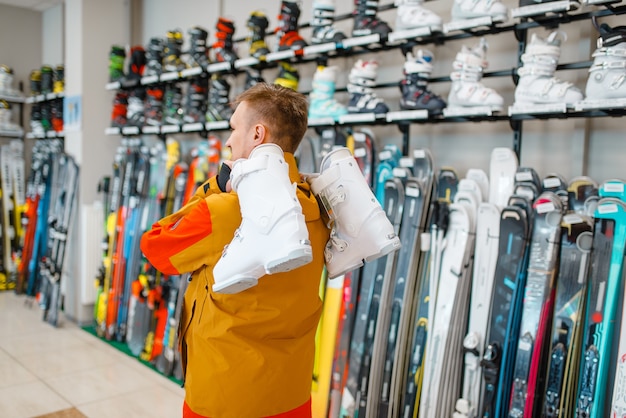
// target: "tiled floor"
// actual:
[[45, 369]]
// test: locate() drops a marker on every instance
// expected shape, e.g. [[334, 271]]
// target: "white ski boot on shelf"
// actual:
[[322, 23], [360, 229], [537, 84], [411, 14], [361, 83], [472, 9], [607, 74], [466, 89], [272, 237]]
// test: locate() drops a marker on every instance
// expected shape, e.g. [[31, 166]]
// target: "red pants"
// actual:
[[303, 411]]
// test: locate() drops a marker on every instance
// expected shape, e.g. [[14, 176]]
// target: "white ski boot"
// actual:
[[272, 237], [537, 84], [360, 229], [412, 14], [471, 9], [607, 74], [361, 83], [322, 23], [466, 89]]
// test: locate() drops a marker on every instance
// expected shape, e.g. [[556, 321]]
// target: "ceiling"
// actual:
[[39, 5]]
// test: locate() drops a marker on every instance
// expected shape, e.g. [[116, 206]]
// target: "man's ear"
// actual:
[[260, 134]]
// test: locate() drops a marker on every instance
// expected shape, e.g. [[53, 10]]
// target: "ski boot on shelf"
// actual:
[[607, 75], [173, 104], [59, 79], [288, 76], [471, 9], [223, 48], [273, 234], [196, 100], [153, 109], [57, 115], [257, 26], [5, 118], [322, 23], [136, 63], [218, 107], [172, 52], [198, 52], [135, 110], [360, 229], [118, 114], [467, 71], [47, 79], [537, 84], [35, 82], [117, 56], [361, 82], [287, 32], [322, 100], [36, 127], [412, 14], [366, 22], [154, 57], [414, 87], [6, 81], [253, 76]]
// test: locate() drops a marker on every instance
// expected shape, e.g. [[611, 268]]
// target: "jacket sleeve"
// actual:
[[173, 243]]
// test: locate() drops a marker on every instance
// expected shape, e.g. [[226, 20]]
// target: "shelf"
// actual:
[[11, 133], [48, 134], [589, 109], [12, 98], [44, 97]]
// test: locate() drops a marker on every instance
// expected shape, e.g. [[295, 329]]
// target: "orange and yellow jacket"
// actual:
[[248, 354]]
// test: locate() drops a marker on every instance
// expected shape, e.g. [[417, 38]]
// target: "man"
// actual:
[[248, 354]]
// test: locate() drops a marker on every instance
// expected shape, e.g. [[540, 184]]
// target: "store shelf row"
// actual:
[[588, 109], [549, 14]]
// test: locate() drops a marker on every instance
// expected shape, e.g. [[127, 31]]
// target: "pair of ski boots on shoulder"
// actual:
[[273, 236]]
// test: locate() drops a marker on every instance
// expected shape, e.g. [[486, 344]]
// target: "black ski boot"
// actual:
[[120, 106], [153, 109], [135, 109], [47, 79], [322, 23], [253, 76], [257, 25], [136, 63], [173, 104], [198, 51], [172, 51], [365, 20], [223, 48], [196, 99], [415, 95], [154, 57], [218, 107], [287, 32]]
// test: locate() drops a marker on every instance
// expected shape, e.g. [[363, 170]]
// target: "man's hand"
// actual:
[[223, 177]]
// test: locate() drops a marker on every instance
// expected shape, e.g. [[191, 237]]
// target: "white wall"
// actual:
[[52, 23]]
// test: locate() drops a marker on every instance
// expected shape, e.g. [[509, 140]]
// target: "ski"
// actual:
[[538, 306], [602, 301], [562, 376]]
